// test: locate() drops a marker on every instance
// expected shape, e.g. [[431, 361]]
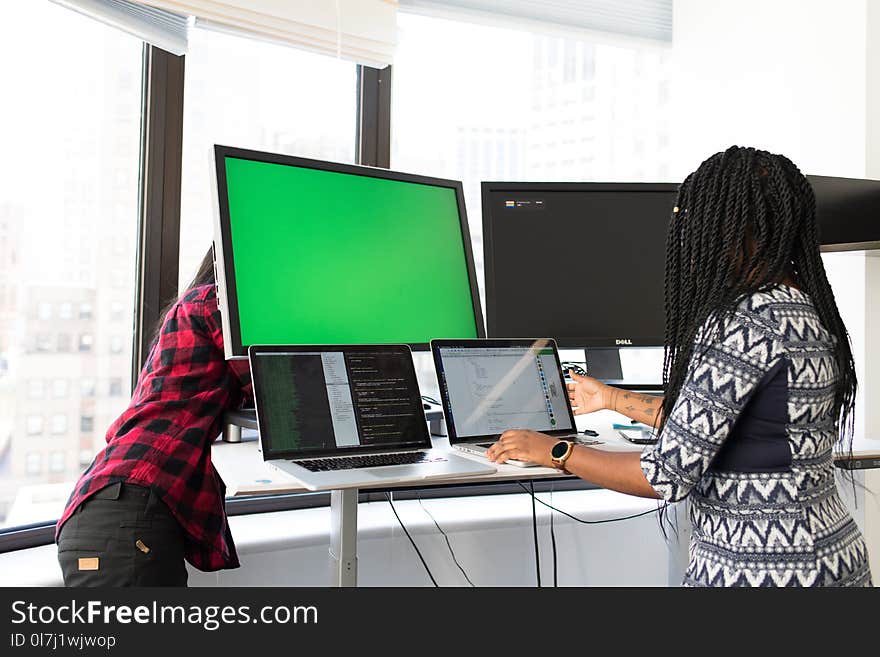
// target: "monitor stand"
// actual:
[[604, 363], [234, 421]]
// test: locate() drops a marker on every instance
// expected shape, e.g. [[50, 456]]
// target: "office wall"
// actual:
[[799, 77], [788, 76]]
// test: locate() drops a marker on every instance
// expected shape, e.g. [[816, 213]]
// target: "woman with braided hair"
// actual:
[[759, 387]]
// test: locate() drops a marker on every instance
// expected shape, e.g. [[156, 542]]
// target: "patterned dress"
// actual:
[[750, 439]]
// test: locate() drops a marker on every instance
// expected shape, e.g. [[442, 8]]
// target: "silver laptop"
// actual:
[[343, 416], [492, 385]]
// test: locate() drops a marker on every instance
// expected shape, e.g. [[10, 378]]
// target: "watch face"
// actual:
[[559, 450]]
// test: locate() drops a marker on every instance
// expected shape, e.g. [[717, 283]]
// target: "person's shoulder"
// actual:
[[198, 305], [755, 313], [199, 294], [769, 306]]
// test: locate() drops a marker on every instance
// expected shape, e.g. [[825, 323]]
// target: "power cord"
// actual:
[[535, 529], [448, 544], [415, 547], [553, 540], [589, 522]]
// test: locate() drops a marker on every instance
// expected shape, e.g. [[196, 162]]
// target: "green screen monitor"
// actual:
[[313, 252]]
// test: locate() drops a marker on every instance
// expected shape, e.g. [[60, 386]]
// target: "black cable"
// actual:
[[553, 540], [535, 529], [448, 544], [589, 522], [415, 547]]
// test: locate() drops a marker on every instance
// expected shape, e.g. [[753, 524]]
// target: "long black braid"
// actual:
[[745, 221]]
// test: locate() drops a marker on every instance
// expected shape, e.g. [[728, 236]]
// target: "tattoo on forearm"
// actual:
[[646, 414]]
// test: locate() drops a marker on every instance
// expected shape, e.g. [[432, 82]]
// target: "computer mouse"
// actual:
[[426, 406]]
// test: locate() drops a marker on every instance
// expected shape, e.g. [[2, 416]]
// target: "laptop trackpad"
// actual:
[[397, 471]]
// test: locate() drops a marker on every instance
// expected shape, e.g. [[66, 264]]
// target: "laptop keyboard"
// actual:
[[365, 461]]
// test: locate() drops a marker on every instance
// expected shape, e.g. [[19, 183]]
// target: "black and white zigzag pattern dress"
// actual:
[[750, 439]]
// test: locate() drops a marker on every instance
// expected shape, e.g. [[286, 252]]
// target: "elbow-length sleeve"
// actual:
[[727, 364]]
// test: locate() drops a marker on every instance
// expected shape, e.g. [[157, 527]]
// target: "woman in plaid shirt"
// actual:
[[152, 498]]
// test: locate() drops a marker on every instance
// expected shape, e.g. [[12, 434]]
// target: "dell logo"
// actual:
[[623, 341]]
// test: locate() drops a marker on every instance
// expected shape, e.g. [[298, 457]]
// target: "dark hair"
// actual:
[[745, 221], [204, 276]]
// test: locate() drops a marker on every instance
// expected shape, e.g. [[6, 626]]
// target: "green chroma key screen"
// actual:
[[337, 258]]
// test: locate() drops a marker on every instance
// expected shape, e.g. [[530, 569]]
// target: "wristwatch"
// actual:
[[560, 453]]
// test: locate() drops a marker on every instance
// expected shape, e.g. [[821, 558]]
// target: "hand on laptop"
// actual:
[[523, 445], [587, 394]]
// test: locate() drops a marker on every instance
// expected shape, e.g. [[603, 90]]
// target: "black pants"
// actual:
[[122, 536]]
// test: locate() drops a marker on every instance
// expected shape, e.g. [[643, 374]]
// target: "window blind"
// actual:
[[159, 27], [364, 31], [644, 19]]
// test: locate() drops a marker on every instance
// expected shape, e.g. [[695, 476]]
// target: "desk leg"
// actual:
[[678, 542], [343, 537]]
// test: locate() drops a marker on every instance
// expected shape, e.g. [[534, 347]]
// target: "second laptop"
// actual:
[[490, 386]]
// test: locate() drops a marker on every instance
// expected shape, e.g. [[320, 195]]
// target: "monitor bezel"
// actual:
[[856, 229], [487, 188], [423, 442], [224, 262], [476, 343]]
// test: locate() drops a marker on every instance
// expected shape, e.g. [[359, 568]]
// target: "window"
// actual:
[[56, 462], [43, 343], [116, 344], [36, 389], [60, 388], [86, 423], [64, 342], [70, 169], [34, 425], [59, 424], [115, 387], [117, 311], [88, 387], [33, 463], [86, 456], [241, 92]]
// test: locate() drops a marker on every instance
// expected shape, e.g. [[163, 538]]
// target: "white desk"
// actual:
[[242, 468]]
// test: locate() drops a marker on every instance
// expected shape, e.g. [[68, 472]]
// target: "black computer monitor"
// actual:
[[314, 252], [847, 211], [580, 262]]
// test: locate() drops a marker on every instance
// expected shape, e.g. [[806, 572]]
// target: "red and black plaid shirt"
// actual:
[[163, 439]]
